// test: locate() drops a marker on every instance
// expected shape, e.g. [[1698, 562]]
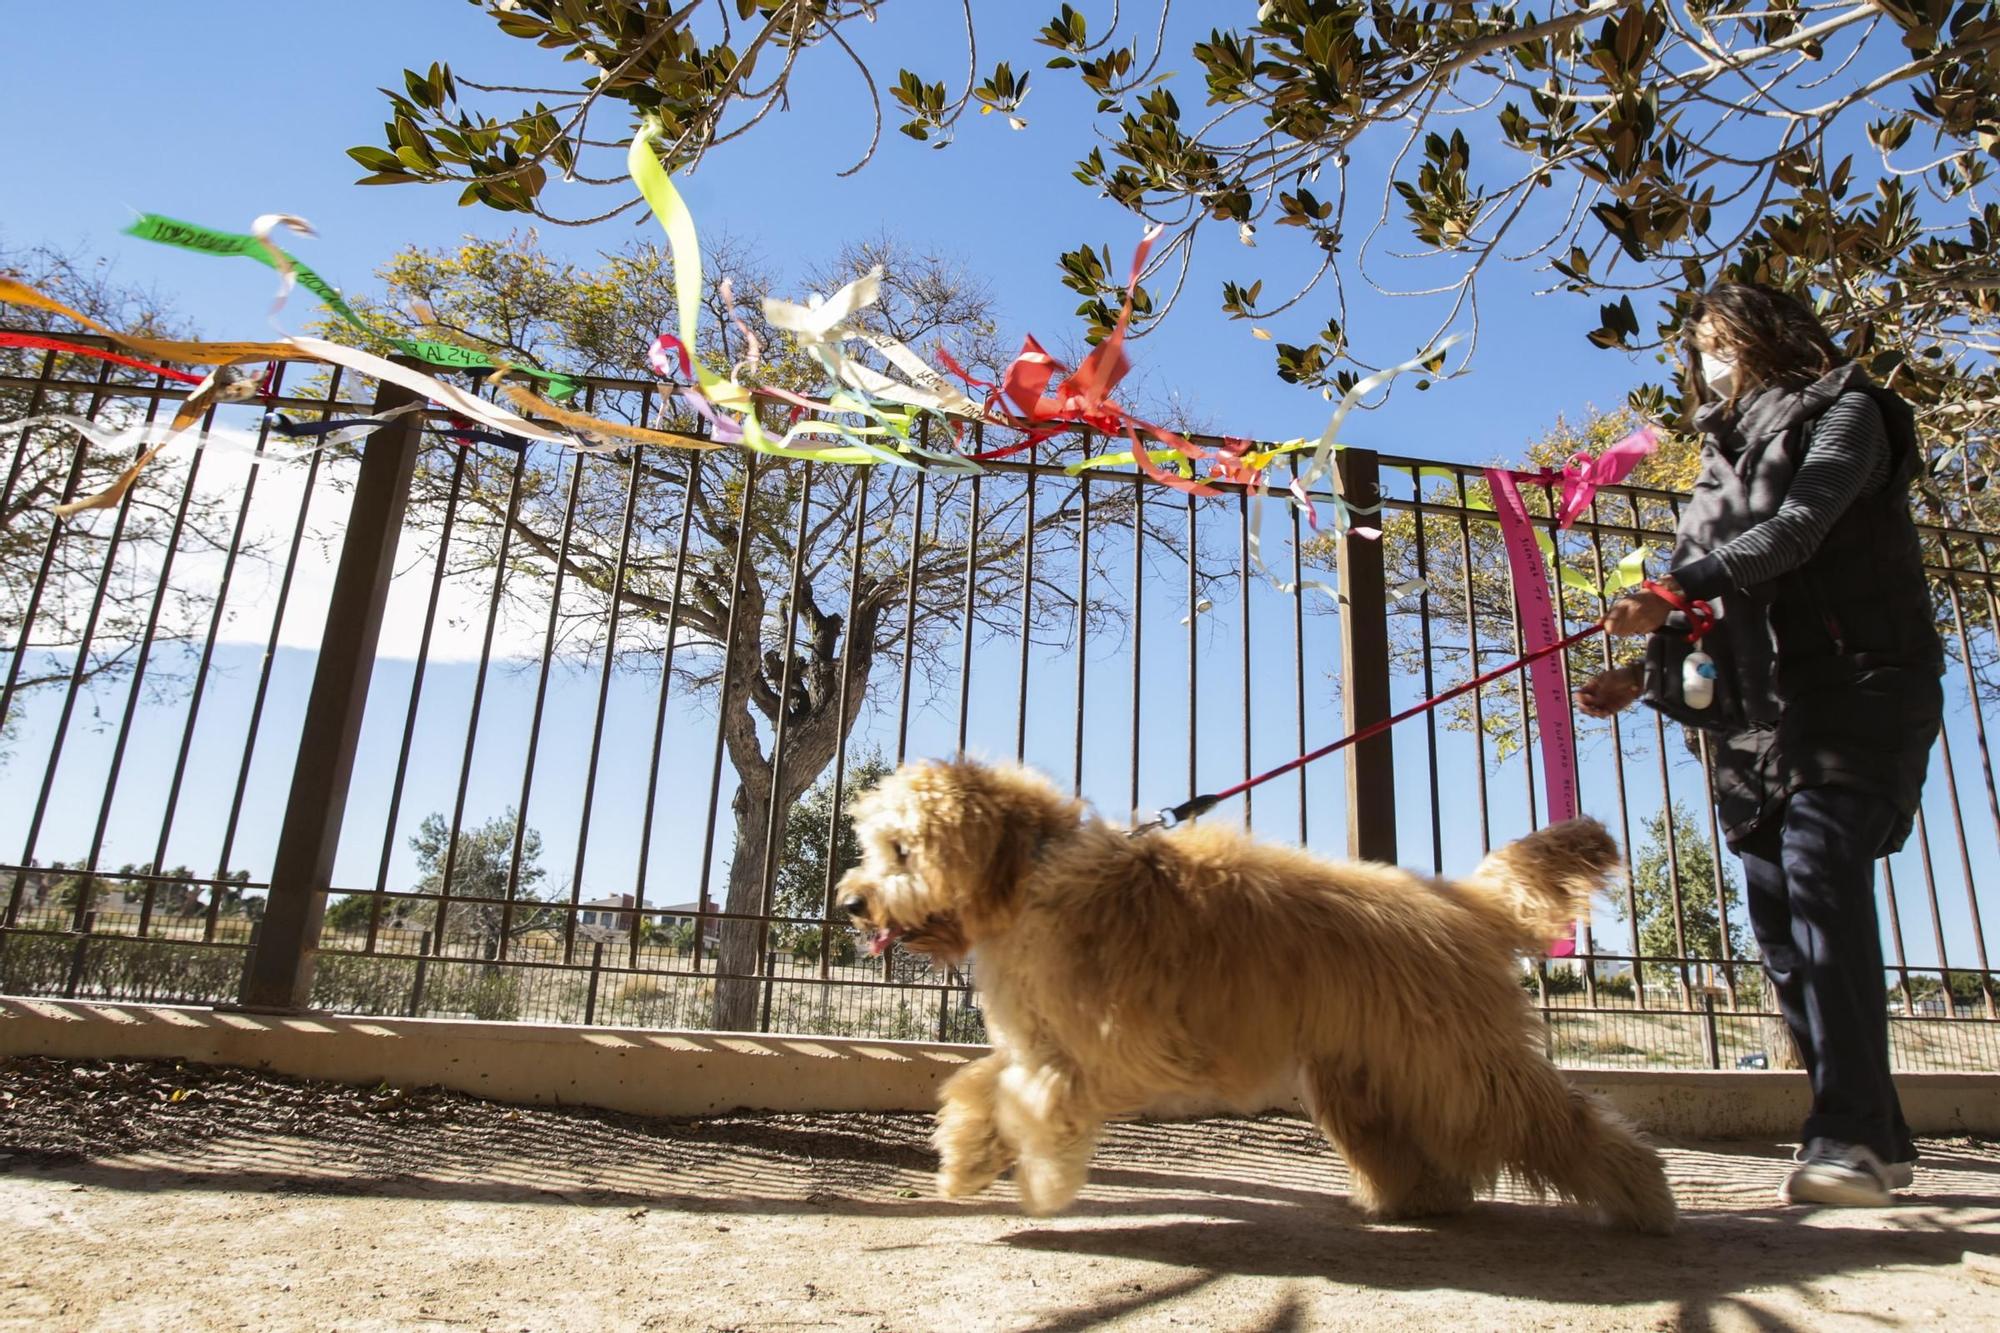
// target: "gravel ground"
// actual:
[[138, 1195]]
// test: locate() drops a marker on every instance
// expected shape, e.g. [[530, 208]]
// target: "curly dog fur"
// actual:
[[1117, 971]]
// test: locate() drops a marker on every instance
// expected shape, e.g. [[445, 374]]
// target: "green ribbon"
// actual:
[[208, 241]]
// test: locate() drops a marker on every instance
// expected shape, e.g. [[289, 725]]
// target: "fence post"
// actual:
[[282, 970], [590, 995], [1710, 1039], [423, 969], [79, 957], [1364, 669]]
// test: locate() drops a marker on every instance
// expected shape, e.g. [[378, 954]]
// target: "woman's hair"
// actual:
[[1774, 337]]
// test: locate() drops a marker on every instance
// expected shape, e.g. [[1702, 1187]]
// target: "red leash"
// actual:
[[1203, 804]]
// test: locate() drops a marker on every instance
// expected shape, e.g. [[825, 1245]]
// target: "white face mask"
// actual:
[[1719, 373]]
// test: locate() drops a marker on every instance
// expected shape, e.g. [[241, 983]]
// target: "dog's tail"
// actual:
[[1543, 882]]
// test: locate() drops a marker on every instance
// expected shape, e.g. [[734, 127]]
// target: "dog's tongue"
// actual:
[[879, 942]]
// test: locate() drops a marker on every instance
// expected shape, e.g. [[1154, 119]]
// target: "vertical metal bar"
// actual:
[[1033, 482], [1430, 682], [1138, 623], [775, 809], [1672, 840], [1715, 861], [590, 993], [737, 579], [1937, 921], [264, 668], [1522, 697], [1243, 594], [417, 671], [577, 463], [1951, 789], [281, 973], [1082, 619], [1299, 654], [603, 699], [79, 958], [660, 711], [1618, 763], [1364, 667], [848, 660], [1896, 932], [1709, 1038], [1472, 645], [965, 615], [508, 519], [910, 609], [1193, 654]]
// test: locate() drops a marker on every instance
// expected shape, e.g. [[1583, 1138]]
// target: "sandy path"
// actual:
[[272, 1203]]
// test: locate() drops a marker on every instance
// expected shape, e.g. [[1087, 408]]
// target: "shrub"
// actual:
[[366, 984]]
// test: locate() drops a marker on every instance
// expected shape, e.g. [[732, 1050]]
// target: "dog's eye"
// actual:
[[902, 852]]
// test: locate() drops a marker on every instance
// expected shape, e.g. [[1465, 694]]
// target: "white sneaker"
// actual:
[[1843, 1175], [1901, 1175]]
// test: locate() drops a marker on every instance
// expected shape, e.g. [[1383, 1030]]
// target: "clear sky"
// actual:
[[217, 118], [219, 122]]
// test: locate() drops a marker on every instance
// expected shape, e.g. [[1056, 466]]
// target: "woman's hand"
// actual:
[[1637, 613], [1611, 691]]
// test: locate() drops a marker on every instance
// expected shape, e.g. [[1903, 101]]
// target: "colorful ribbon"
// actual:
[[101, 353], [259, 246]]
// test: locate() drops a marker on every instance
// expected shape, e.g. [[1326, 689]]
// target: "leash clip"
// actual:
[[1174, 816]]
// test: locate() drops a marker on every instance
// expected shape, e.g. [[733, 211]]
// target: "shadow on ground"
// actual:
[[1189, 1212]]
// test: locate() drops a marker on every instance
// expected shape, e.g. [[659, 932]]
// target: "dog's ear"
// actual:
[[984, 828]]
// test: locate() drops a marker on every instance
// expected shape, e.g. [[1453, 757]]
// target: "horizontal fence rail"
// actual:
[[616, 704]]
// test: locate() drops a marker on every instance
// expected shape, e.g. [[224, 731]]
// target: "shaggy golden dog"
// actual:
[[1117, 971]]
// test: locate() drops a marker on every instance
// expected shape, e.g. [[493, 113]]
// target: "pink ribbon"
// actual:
[[1585, 474], [1537, 615]]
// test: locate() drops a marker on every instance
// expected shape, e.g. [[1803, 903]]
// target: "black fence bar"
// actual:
[[962, 625], [1364, 670]]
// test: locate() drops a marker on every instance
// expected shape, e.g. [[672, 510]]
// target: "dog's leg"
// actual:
[[972, 1154], [1039, 1112], [1394, 1178], [1575, 1145]]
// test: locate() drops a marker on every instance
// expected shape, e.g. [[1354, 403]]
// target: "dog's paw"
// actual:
[[1046, 1188], [962, 1182]]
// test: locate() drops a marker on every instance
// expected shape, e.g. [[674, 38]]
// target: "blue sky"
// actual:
[[218, 121]]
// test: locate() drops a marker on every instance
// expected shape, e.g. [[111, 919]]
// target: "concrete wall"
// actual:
[[651, 1072]]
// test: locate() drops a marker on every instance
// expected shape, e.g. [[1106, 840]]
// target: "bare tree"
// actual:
[[779, 589], [79, 602]]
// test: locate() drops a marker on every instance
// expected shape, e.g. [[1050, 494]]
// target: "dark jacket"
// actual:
[[1833, 667]]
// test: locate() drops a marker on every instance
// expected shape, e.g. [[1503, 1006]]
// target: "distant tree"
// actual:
[[800, 886], [1692, 870], [480, 913]]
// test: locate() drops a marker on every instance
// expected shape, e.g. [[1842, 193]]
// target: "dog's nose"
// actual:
[[855, 905]]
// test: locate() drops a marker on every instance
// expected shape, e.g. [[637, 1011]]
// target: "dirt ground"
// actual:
[[155, 1196]]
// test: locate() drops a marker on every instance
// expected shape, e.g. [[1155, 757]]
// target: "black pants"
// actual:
[[1811, 890]]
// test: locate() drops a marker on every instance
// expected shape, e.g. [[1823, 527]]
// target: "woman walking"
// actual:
[[1819, 684]]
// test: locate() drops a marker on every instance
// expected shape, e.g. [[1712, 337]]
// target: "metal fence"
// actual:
[[444, 724]]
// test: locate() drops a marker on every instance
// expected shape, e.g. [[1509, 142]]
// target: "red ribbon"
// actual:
[[1701, 616], [101, 353]]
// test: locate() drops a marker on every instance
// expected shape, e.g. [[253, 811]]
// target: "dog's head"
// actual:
[[944, 849]]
